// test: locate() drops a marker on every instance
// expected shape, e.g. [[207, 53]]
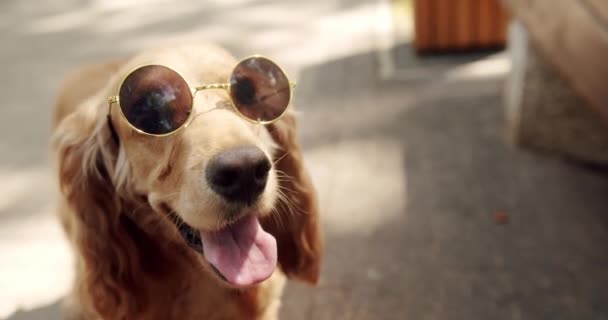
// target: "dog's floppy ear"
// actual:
[[296, 228], [108, 242]]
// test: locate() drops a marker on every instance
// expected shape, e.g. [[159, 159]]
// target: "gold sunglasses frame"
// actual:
[[224, 86]]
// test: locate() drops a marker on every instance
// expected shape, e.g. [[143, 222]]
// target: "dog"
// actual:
[[141, 212]]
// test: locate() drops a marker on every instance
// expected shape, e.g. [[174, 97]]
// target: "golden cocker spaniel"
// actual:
[[178, 202]]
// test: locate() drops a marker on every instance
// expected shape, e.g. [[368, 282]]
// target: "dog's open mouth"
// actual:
[[242, 253]]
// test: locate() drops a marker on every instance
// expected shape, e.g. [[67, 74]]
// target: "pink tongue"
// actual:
[[243, 252]]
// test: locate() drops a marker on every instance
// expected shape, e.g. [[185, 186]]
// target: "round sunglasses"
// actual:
[[155, 100]]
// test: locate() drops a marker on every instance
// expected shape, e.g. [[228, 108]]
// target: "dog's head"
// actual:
[[234, 192]]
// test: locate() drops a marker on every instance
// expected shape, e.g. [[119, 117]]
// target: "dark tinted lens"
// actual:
[[260, 89], [155, 99]]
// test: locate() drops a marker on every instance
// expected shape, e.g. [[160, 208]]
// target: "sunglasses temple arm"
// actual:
[[111, 100], [113, 133]]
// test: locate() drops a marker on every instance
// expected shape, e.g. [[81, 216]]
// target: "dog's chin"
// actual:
[[238, 251]]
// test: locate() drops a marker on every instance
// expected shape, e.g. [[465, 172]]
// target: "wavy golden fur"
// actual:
[[131, 262]]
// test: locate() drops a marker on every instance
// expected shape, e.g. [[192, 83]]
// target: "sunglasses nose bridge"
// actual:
[[217, 98], [224, 86]]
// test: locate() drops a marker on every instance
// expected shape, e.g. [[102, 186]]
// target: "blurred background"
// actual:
[[458, 147]]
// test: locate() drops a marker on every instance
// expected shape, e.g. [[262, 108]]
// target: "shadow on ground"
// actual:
[[410, 175], [49, 41], [48, 312], [435, 250], [442, 255], [46, 41]]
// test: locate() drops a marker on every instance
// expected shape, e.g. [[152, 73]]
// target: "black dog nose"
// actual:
[[239, 174]]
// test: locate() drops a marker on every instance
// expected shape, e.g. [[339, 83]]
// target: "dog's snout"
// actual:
[[239, 174]]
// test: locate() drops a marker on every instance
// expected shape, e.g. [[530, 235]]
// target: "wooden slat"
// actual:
[[485, 20], [503, 23], [458, 24], [475, 22], [496, 17], [444, 14], [464, 23], [423, 25]]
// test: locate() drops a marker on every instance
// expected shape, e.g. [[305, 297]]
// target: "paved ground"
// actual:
[[410, 172]]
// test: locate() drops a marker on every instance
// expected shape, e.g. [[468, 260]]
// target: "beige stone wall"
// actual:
[[544, 113], [572, 35]]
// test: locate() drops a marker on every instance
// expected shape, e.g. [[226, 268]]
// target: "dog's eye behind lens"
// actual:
[[244, 92], [260, 90], [155, 99]]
